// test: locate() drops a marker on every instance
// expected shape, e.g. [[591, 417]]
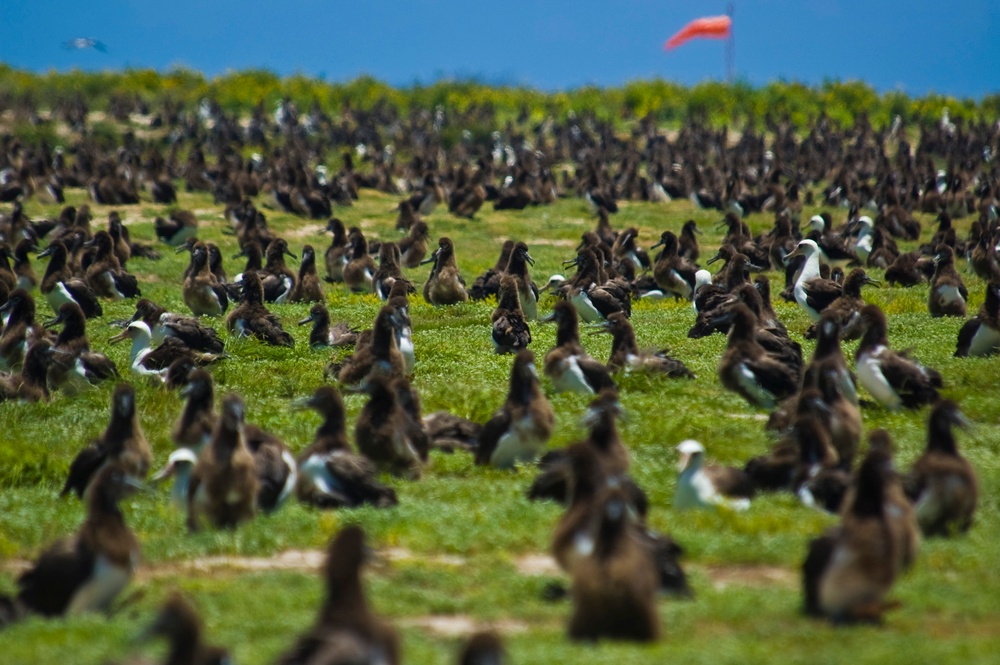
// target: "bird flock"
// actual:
[[225, 470]]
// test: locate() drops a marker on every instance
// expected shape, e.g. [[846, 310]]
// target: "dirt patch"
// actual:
[[750, 416], [403, 554], [748, 575], [304, 560], [458, 625], [304, 231], [535, 565]]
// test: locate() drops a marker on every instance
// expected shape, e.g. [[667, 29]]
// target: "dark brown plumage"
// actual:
[[519, 430], [510, 331], [942, 484], [346, 629], [122, 443], [331, 475], [84, 573], [223, 487]]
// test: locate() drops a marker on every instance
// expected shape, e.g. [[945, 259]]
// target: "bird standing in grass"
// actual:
[[519, 430], [123, 442], [87, 572], [942, 484], [224, 483], [892, 378], [346, 629]]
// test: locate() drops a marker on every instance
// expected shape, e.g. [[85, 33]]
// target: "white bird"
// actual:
[[695, 487]]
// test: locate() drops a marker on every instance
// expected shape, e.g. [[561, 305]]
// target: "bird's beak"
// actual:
[[696, 230], [572, 262], [713, 259], [306, 320], [163, 473], [51, 323], [548, 319], [289, 253], [429, 259], [45, 252], [873, 282], [302, 403], [119, 337], [792, 254], [527, 257], [657, 245], [182, 248], [4, 308]]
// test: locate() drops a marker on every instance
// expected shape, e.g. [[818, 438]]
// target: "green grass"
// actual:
[[743, 566]]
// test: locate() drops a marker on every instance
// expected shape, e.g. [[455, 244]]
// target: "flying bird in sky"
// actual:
[[86, 42]]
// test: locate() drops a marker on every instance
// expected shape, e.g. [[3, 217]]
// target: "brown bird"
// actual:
[[980, 335], [307, 287], [59, 286], [380, 357], [748, 370], [331, 475], [252, 319], [567, 364], [180, 625], [87, 572], [323, 334], [413, 247], [386, 433], [510, 331], [360, 268], [203, 293], [105, 275], [445, 285], [346, 629], [336, 256], [224, 485], [122, 443], [851, 569], [388, 272], [948, 294], [488, 284], [520, 429], [892, 378], [615, 580], [626, 355], [942, 484], [847, 307]]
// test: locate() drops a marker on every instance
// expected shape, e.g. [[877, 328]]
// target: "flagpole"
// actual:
[[731, 47]]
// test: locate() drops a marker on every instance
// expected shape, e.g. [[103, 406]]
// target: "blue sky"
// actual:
[[916, 46]]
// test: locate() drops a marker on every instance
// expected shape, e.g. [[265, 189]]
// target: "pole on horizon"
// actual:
[[730, 47]]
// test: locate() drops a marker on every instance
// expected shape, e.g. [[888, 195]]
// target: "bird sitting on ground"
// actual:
[[520, 429], [252, 319], [162, 324], [567, 364], [387, 433], [323, 334], [510, 331], [892, 378], [87, 572], [445, 285], [180, 625], [704, 486], [942, 484], [980, 335], [626, 356], [331, 475], [346, 628], [123, 442], [224, 485], [748, 370]]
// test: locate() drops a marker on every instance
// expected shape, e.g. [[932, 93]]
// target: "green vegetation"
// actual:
[[457, 544], [665, 101]]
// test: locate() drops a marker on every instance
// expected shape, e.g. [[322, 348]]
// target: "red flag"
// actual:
[[710, 27]]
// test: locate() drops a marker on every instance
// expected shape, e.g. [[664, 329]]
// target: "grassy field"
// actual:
[[463, 547]]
